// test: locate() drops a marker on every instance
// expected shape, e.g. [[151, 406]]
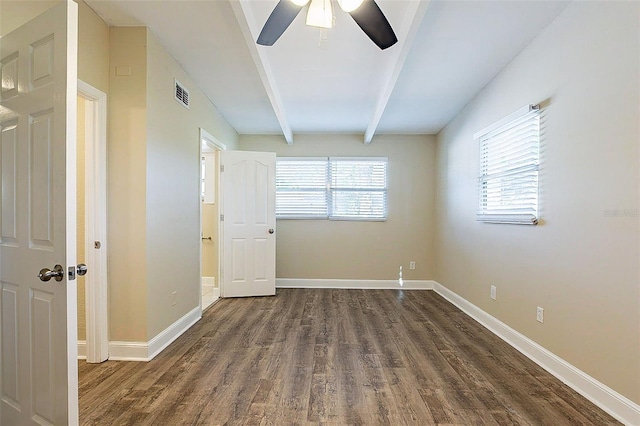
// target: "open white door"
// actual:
[[38, 342], [248, 189]]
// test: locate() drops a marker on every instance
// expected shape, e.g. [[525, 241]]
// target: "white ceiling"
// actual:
[[447, 52]]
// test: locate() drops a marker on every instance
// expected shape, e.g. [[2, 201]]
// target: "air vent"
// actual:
[[182, 94]]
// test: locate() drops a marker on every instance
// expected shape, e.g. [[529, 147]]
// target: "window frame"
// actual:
[[509, 162], [330, 189]]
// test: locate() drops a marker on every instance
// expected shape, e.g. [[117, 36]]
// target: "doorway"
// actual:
[[93, 339], [209, 218]]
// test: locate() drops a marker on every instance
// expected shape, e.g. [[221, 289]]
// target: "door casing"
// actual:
[[213, 143], [95, 198]]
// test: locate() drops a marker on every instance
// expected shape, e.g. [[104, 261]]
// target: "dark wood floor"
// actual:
[[332, 357]]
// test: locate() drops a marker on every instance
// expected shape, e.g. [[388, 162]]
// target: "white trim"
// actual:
[[96, 285], [211, 140], [146, 351], [617, 405], [354, 284], [175, 330], [216, 295], [128, 351], [406, 37], [248, 27], [215, 144], [506, 120], [82, 349], [209, 281]]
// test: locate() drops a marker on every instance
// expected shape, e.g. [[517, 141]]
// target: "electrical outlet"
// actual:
[[174, 299], [412, 265], [540, 314], [493, 292]]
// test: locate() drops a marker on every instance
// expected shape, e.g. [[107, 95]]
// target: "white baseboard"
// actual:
[[82, 349], [128, 351], [146, 351], [171, 333], [354, 284], [617, 405]]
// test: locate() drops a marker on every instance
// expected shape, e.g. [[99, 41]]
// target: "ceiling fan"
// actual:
[[366, 13]]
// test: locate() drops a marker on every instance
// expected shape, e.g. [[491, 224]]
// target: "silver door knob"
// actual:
[[46, 274], [81, 269], [271, 231]]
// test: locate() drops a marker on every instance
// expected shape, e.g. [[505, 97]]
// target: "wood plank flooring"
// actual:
[[344, 357]]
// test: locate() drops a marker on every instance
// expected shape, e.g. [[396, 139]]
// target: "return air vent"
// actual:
[[182, 94]]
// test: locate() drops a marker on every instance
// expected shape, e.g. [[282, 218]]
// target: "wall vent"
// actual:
[[181, 94]]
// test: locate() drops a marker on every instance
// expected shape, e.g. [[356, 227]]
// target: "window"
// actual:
[[509, 159], [331, 188]]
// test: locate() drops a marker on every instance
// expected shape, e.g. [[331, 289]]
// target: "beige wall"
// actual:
[[581, 265], [173, 188], [209, 248], [153, 181], [93, 49], [210, 215], [362, 250], [127, 185]]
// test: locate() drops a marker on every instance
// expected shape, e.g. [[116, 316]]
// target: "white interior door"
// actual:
[[38, 342], [248, 186]]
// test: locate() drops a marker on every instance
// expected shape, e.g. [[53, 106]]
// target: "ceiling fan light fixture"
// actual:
[[349, 5], [300, 3], [320, 14]]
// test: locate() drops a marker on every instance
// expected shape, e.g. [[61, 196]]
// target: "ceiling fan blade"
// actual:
[[374, 24], [283, 14]]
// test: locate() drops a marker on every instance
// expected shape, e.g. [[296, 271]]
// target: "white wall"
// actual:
[[581, 264]]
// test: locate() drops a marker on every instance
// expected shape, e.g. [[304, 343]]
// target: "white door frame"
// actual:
[[213, 143], [96, 293]]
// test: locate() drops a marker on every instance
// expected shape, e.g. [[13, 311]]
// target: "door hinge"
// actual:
[[222, 167], [221, 218]]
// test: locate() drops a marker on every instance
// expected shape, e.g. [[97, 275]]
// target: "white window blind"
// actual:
[[509, 162], [358, 188], [331, 188], [301, 188]]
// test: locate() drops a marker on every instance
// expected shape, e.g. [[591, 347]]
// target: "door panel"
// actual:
[[248, 203], [38, 381], [10, 364], [41, 181], [8, 153]]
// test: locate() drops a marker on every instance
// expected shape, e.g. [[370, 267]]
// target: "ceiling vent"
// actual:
[[182, 94]]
